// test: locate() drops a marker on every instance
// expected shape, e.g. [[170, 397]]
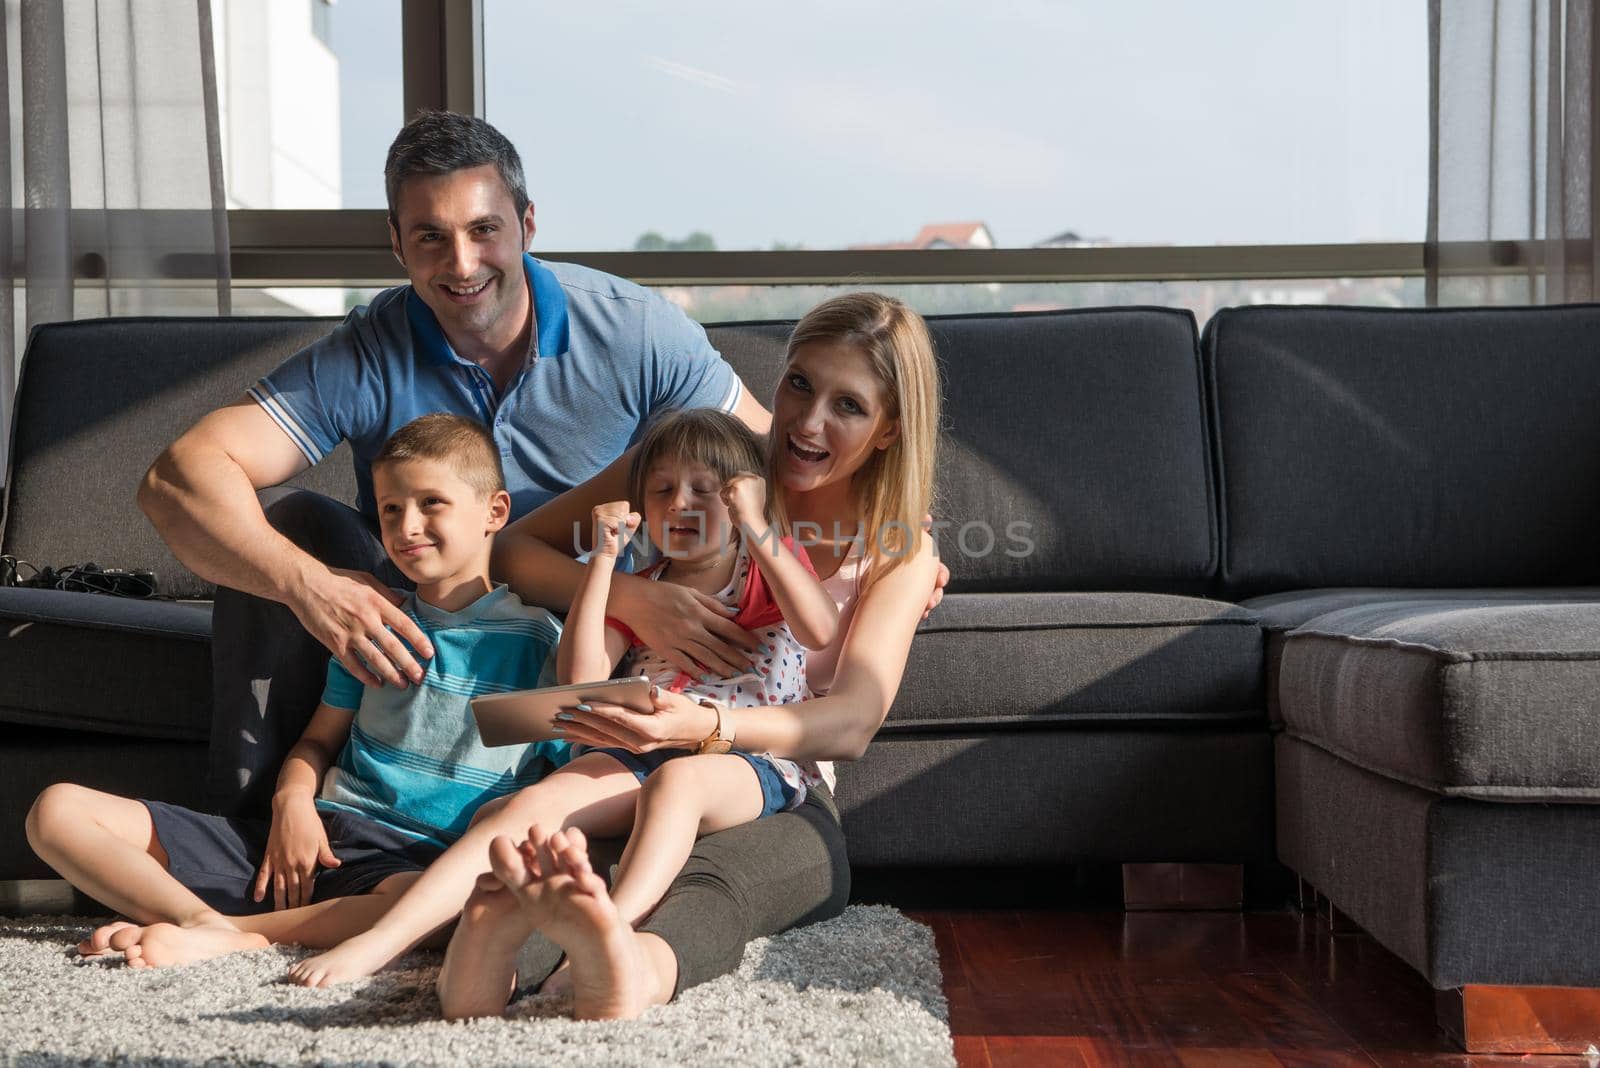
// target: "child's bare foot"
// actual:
[[355, 958], [98, 944], [560, 980], [562, 896], [166, 945], [480, 964]]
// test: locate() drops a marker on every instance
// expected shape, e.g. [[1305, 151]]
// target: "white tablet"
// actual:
[[529, 715]]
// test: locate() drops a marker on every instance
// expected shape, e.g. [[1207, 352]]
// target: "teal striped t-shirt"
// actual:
[[414, 760]]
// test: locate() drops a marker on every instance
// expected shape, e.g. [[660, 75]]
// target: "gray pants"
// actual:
[[267, 675]]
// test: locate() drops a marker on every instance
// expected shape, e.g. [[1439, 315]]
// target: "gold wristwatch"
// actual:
[[721, 739]]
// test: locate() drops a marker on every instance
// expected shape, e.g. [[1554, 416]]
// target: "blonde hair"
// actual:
[[893, 489], [705, 436], [463, 443]]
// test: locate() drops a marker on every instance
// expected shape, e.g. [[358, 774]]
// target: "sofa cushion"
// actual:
[[993, 661], [100, 663], [1406, 447], [1493, 700], [1084, 428], [1281, 613], [98, 400]]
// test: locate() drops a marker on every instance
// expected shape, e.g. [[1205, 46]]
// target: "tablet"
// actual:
[[525, 716]]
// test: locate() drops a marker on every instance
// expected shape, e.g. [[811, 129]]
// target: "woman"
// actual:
[[851, 451]]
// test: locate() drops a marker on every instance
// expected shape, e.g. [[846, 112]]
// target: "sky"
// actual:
[[827, 124]]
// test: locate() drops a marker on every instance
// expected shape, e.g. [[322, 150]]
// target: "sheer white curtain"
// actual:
[[1513, 116], [110, 166]]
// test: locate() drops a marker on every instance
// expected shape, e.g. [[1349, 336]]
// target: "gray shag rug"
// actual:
[[862, 988]]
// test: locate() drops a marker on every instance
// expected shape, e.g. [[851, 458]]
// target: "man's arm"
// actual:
[[201, 495], [750, 411]]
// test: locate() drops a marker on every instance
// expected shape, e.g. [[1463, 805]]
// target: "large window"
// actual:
[[745, 155], [755, 124]]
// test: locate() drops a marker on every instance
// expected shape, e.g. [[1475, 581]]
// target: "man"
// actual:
[[563, 364]]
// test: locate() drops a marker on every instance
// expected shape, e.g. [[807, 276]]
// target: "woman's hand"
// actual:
[[689, 629], [614, 525], [941, 580], [296, 844], [675, 722]]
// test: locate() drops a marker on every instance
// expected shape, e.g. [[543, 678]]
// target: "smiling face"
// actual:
[[461, 242], [830, 414], [683, 511], [435, 526]]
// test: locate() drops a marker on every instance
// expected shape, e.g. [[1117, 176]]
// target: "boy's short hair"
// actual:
[[706, 436], [463, 443]]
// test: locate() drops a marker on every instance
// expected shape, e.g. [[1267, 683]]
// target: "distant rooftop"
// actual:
[[942, 235]]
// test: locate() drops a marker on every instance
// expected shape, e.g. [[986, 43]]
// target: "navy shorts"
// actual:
[[218, 857], [776, 794]]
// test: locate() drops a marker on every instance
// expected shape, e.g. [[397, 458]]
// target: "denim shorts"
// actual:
[[218, 857], [776, 794]]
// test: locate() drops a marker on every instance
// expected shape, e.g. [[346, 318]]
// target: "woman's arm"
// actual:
[[835, 727], [871, 662]]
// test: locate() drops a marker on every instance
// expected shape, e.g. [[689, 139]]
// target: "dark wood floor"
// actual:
[[1041, 987]]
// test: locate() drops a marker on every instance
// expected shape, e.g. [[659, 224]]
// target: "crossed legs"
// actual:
[[107, 847]]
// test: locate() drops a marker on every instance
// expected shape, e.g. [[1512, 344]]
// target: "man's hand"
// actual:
[[296, 845], [358, 618], [690, 629], [746, 497], [614, 525]]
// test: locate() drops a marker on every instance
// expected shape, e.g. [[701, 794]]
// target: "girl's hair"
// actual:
[[894, 488], [696, 435]]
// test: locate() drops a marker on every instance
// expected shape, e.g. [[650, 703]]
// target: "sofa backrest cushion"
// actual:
[[1080, 431], [97, 402], [1418, 447]]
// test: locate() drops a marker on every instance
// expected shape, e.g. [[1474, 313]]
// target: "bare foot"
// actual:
[[355, 958], [98, 944], [479, 973], [166, 945], [560, 980], [562, 896]]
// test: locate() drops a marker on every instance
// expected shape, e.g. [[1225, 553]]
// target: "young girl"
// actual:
[[705, 512]]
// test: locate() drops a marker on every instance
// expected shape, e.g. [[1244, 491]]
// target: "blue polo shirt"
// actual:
[[607, 356]]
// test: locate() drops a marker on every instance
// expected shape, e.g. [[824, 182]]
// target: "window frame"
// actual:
[[442, 42]]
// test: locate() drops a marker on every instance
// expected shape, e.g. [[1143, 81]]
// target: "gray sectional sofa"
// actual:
[[1319, 586]]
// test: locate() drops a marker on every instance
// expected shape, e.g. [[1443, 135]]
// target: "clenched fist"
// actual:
[[614, 525], [746, 497]]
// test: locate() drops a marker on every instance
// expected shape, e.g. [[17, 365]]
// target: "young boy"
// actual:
[[381, 781]]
